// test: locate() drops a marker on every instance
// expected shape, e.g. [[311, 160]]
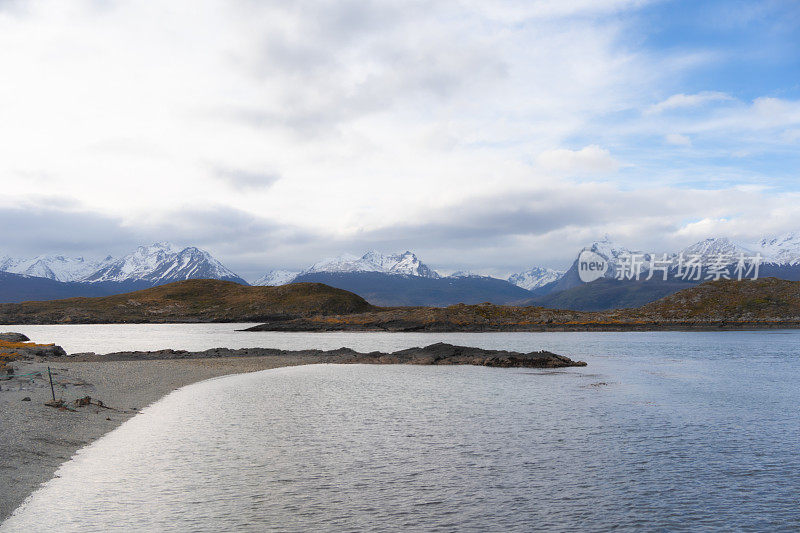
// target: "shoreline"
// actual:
[[304, 325], [36, 438], [318, 327]]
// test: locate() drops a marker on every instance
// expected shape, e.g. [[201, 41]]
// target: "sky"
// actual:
[[484, 136]]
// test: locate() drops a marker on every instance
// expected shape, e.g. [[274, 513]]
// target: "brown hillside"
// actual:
[[201, 300], [758, 300], [766, 302]]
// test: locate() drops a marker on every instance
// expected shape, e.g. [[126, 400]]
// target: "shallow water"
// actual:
[[662, 431]]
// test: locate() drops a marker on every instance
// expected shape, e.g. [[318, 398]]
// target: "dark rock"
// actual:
[[448, 354], [13, 337], [435, 354], [26, 399], [41, 350]]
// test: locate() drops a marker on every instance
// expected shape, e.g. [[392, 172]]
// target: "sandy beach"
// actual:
[[36, 438]]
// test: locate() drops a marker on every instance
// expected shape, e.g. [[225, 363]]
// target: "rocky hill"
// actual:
[[767, 299], [203, 300], [605, 294]]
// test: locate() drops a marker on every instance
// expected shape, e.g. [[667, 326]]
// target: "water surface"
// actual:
[[662, 431]]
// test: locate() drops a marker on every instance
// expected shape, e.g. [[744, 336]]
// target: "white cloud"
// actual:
[[679, 101], [590, 159], [517, 11], [677, 139], [764, 113], [357, 106]]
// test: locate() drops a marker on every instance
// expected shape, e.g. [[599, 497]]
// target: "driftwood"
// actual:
[[87, 400], [61, 405]]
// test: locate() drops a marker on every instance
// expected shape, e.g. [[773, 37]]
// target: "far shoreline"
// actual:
[[554, 328], [311, 326]]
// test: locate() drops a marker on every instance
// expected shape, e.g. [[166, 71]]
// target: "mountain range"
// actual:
[[398, 280], [402, 279], [779, 257], [159, 263], [49, 277], [392, 279]]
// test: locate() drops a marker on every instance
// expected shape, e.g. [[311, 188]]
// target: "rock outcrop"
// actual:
[[435, 354], [13, 337]]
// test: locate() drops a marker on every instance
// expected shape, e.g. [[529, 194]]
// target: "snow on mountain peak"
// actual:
[[782, 249], [274, 278], [712, 248], [409, 264], [466, 274], [607, 248], [405, 263], [163, 262], [55, 267], [341, 263], [535, 277]]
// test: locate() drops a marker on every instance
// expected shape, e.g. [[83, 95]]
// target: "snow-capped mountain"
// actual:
[[400, 264], [611, 251], [274, 278], [405, 264], [535, 277], [707, 252], [163, 263], [711, 249], [156, 264], [55, 267], [781, 250], [465, 274]]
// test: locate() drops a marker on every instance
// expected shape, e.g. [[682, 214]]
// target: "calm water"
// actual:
[[662, 431]]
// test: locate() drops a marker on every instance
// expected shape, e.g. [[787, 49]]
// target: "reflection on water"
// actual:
[[661, 431]]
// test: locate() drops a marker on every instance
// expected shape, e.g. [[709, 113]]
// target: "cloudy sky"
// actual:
[[489, 136]]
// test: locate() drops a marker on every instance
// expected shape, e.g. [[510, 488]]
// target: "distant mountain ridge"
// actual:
[[157, 264], [274, 278], [535, 277], [403, 278], [775, 252], [54, 267], [380, 288], [20, 288], [163, 263], [49, 277], [398, 264], [779, 257], [399, 279]]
